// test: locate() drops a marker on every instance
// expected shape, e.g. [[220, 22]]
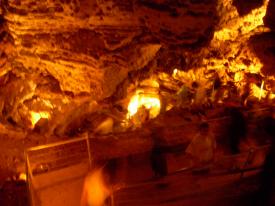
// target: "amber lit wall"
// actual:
[[67, 65]]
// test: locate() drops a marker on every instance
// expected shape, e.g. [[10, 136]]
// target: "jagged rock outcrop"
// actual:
[[77, 42], [67, 58], [75, 49]]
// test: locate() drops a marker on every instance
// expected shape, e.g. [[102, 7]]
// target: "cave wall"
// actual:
[[66, 57], [264, 44], [90, 46], [68, 53]]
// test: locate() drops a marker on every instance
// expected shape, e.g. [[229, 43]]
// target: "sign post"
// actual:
[[56, 172]]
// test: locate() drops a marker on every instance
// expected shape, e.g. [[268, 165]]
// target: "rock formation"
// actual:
[[66, 65], [67, 50]]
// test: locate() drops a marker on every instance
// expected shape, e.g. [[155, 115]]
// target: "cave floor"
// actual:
[[187, 188], [177, 189]]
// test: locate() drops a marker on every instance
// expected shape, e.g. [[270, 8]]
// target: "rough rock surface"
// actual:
[[68, 58], [90, 46], [72, 52], [64, 56]]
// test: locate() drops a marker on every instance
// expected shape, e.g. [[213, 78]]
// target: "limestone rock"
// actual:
[[82, 43]]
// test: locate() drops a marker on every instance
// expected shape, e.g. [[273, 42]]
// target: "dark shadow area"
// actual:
[[264, 196], [245, 7], [14, 193], [264, 47], [269, 19]]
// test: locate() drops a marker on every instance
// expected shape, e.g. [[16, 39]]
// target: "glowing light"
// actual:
[[258, 92], [95, 190], [133, 105], [36, 116], [272, 96], [150, 83], [22, 176], [149, 101], [238, 77], [175, 71], [261, 92]]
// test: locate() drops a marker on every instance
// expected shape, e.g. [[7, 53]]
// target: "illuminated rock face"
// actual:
[[64, 63], [66, 50], [90, 46], [63, 58]]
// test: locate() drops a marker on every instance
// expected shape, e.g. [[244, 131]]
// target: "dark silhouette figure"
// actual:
[[157, 157], [158, 162], [266, 190], [237, 129]]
